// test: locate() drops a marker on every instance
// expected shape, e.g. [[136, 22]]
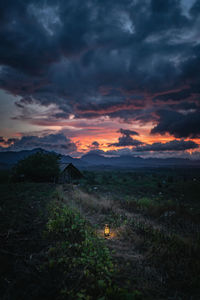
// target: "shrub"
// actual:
[[145, 202], [39, 167], [79, 259]]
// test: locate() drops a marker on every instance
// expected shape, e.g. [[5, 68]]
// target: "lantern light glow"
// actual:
[[106, 230]]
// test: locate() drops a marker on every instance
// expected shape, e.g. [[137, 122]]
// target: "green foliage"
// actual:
[[70, 261], [23, 218], [115, 220], [164, 227], [180, 185], [148, 191], [77, 255], [78, 259], [145, 202], [48, 251], [4, 176], [175, 256], [23, 203], [39, 167]]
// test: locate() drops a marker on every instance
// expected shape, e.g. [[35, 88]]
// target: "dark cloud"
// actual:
[[184, 106], [174, 148], [94, 58], [126, 139], [119, 152], [176, 96], [10, 141], [178, 124], [52, 142], [127, 132], [110, 153], [7, 142], [95, 144], [175, 145], [96, 151]]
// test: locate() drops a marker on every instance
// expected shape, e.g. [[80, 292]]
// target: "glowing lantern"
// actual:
[[106, 230]]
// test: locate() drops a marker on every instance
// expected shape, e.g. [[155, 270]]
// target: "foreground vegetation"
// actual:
[[157, 214], [152, 190], [48, 251], [52, 244]]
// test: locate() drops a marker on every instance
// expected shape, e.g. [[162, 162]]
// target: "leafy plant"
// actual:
[[39, 167], [77, 255]]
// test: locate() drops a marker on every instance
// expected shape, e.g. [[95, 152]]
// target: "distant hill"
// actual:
[[96, 161], [137, 162], [10, 158]]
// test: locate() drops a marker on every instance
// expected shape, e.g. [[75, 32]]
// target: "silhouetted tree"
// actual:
[[39, 167]]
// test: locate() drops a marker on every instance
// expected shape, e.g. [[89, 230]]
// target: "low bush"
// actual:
[[177, 258], [78, 260], [38, 167]]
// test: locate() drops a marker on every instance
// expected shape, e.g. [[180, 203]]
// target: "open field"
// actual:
[[53, 247], [155, 222]]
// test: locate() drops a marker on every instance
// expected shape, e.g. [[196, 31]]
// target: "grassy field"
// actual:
[[49, 251], [52, 244]]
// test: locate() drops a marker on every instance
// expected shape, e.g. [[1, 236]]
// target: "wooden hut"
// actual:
[[69, 173]]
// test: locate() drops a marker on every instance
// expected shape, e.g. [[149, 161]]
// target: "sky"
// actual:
[[117, 77]]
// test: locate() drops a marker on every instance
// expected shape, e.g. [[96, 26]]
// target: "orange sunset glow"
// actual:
[[108, 84]]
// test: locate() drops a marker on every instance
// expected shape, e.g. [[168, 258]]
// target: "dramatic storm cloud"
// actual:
[[127, 132], [53, 142], [131, 63], [126, 139], [95, 144], [169, 146], [178, 124]]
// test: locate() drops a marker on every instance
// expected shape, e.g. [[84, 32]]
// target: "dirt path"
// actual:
[[124, 243], [95, 211], [155, 256]]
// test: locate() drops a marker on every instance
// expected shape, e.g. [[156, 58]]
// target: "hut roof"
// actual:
[[70, 166], [63, 166]]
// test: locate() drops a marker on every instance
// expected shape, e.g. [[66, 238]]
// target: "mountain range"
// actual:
[[96, 161]]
